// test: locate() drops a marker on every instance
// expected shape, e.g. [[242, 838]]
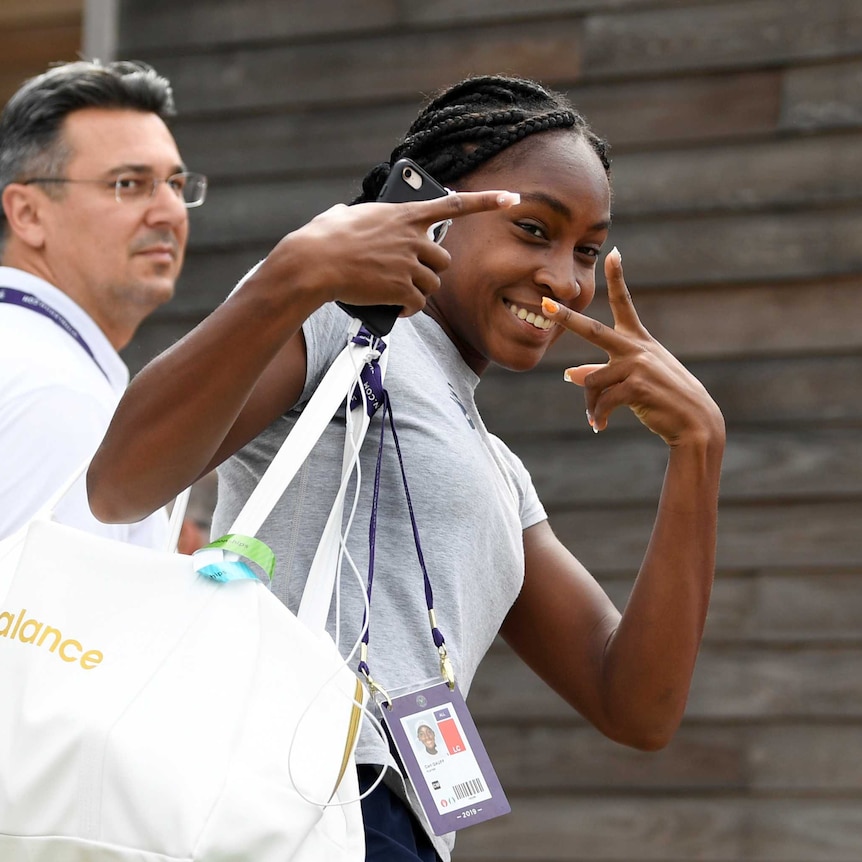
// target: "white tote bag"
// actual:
[[148, 713]]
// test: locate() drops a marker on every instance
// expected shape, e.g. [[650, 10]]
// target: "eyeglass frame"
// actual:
[[129, 175]]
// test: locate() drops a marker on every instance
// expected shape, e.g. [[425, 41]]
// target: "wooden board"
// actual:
[[797, 606], [780, 317], [771, 464], [327, 72], [669, 829], [776, 607], [641, 112], [703, 757], [793, 172], [744, 176], [310, 141], [732, 683], [713, 36], [763, 391], [823, 97], [808, 533], [164, 23]]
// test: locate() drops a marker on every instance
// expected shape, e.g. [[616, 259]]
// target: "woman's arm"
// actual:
[[243, 366], [630, 674]]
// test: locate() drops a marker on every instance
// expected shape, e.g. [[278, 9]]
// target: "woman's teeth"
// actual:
[[530, 317]]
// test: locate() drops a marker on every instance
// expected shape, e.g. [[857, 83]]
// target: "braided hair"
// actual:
[[469, 123]]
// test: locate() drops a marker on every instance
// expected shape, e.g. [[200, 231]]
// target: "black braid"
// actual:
[[466, 125]]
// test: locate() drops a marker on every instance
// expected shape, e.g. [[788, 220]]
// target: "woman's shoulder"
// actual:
[[325, 332]]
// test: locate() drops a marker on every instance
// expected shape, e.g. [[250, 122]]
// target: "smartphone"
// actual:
[[406, 182]]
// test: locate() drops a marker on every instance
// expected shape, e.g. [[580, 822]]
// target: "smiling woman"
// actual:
[[512, 275], [504, 262]]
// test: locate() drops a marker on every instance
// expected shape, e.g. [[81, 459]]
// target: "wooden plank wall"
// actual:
[[33, 34], [737, 134]]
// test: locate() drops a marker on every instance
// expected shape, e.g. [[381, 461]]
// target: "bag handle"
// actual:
[[317, 596], [340, 379], [178, 512]]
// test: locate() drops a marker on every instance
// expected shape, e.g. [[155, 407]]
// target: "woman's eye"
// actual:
[[532, 229], [588, 251]]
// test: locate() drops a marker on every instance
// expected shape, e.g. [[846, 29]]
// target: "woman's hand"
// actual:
[[374, 253], [640, 373]]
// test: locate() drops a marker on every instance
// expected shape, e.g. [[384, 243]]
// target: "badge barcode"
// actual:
[[469, 788]]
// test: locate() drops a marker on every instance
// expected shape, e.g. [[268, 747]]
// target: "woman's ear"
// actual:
[[23, 207]]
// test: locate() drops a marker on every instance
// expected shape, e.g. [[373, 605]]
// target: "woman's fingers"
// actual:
[[619, 298], [380, 253], [603, 337], [459, 204], [640, 373], [578, 373], [603, 390], [626, 321]]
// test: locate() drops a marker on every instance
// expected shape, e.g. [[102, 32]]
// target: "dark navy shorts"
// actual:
[[392, 833]]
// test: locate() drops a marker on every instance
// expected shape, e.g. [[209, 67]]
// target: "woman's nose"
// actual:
[[560, 279]]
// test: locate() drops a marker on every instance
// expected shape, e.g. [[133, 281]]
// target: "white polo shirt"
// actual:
[[56, 402]]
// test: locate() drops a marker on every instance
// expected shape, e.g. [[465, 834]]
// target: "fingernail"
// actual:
[[508, 199], [567, 377], [617, 252], [592, 424], [549, 305]]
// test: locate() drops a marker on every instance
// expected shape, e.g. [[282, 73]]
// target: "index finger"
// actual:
[[460, 204], [619, 298], [589, 329]]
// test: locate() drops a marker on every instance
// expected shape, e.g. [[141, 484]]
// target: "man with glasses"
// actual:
[[94, 226]]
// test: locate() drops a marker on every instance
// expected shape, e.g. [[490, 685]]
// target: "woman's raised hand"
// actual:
[[374, 253], [640, 373]]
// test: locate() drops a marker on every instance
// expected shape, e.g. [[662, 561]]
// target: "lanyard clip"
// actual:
[[373, 687], [446, 669]]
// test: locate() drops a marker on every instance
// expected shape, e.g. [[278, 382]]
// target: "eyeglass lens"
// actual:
[[191, 187]]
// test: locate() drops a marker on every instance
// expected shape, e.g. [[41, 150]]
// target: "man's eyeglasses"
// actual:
[[190, 187]]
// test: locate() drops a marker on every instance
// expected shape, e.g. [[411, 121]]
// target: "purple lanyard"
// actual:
[[377, 397], [26, 300]]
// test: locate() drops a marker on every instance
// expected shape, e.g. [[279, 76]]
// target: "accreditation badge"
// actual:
[[444, 758]]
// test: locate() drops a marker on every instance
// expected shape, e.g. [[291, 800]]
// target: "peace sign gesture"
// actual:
[[640, 373]]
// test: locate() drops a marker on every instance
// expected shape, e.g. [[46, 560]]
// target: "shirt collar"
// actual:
[[108, 358]]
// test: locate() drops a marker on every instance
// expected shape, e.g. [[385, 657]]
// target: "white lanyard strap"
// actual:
[[317, 597], [339, 380]]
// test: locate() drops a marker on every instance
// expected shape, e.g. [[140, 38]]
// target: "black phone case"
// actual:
[[379, 319]]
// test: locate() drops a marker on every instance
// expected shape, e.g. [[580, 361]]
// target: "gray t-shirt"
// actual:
[[471, 496]]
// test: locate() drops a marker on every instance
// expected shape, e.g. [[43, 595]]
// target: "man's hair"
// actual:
[[31, 142], [471, 122]]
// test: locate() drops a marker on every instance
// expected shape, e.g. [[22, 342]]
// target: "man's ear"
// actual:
[[23, 206]]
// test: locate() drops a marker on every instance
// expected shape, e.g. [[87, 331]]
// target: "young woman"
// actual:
[[510, 278]]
